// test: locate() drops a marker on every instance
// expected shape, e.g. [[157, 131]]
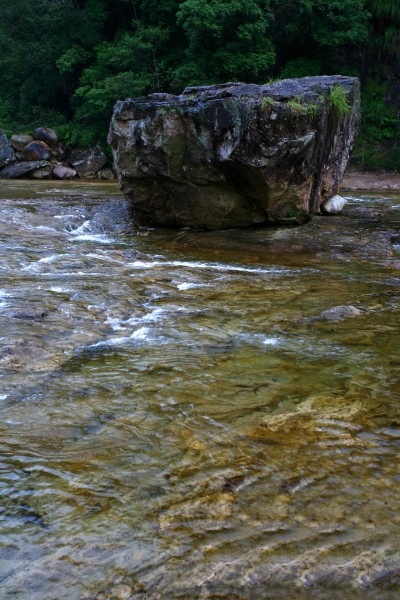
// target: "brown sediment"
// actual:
[[364, 180]]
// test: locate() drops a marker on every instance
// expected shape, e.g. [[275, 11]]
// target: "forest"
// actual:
[[64, 63]]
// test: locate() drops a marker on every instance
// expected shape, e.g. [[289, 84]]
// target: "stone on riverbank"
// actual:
[[87, 162], [62, 172], [44, 145], [235, 155], [19, 169], [333, 206], [47, 135], [36, 151], [19, 141], [42, 173], [7, 154]]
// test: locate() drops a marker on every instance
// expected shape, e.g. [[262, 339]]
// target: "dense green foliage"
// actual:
[[64, 63]]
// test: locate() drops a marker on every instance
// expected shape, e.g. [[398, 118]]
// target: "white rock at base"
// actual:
[[334, 205]]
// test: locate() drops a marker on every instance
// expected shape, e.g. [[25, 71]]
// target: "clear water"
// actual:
[[191, 423]]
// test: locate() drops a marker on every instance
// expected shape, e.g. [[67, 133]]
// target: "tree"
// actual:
[[326, 31], [33, 37], [226, 41]]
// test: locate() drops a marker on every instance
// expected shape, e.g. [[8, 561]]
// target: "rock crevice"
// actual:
[[235, 155]]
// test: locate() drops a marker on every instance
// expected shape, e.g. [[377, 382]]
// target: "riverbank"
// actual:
[[380, 180]]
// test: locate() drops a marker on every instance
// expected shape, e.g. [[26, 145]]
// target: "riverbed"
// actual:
[[197, 414]]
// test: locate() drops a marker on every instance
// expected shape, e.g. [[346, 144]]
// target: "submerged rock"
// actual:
[[339, 313], [235, 155]]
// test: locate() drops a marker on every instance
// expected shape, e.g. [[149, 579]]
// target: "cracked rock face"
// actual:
[[235, 155]]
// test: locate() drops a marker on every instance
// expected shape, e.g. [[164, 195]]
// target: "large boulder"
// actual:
[[7, 154], [236, 154]]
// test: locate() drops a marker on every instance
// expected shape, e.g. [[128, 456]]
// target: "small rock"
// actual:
[[45, 134], [7, 154], [63, 172], [106, 174], [19, 142], [333, 206], [43, 173], [36, 150], [19, 169]]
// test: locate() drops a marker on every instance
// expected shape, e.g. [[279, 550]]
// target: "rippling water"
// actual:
[[188, 423]]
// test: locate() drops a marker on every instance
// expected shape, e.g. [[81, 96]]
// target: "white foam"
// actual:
[[82, 228], [154, 315], [47, 260], [42, 228], [119, 324], [93, 237], [271, 341], [52, 258], [189, 286], [146, 264], [59, 289], [139, 334]]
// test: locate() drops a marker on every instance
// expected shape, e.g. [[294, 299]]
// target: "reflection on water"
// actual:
[[187, 423]]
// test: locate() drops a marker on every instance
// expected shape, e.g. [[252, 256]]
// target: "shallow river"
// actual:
[[178, 422]]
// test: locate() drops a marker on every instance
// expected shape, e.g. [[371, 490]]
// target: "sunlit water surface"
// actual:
[[184, 422]]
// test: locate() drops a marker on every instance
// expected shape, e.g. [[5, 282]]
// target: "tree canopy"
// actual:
[[64, 63]]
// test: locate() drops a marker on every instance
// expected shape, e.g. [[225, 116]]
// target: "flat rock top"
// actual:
[[280, 90]]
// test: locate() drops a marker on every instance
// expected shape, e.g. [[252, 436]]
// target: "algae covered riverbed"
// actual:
[[197, 414]]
